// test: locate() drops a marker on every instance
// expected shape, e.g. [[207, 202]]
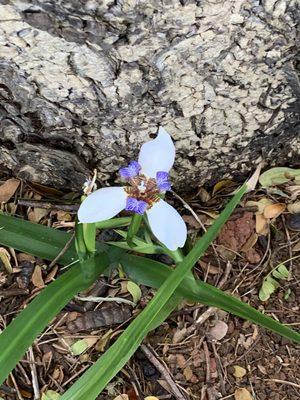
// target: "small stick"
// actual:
[[163, 371], [13, 292], [16, 386], [189, 208], [296, 385], [219, 368], [99, 299], [35, 382], [63, 251], [207, 361], [211, 310]]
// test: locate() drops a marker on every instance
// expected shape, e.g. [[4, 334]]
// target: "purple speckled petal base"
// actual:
[[137, 206], [130, 171], [162, 180]]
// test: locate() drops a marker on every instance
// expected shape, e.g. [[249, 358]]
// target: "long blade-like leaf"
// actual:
[[154, 273], [22, 331], [95, 379], [47, 242], [35, 239]]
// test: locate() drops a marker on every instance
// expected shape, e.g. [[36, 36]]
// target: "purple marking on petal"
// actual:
[[130, 171], [162, 180], [137, 206]]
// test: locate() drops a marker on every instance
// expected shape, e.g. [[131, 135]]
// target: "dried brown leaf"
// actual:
[[25, 257], [212, 269], [219, 186], [188, 373], [180, 361], [203, 195], [122, 397], [250, 242], [5, 260], [37, 214], [226, 254], [179, 335], [8, 189], [37, 277], [253, 256], [296, 247], [51, 274], [274, 210], [294, 208], [239, 372], [261, 225], [102, 342], [242, 394], [219, 330]]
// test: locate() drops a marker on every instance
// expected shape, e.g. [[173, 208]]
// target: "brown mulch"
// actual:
[[200, 366]]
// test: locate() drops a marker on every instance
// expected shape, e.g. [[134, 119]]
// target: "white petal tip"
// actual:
[[167, 225]]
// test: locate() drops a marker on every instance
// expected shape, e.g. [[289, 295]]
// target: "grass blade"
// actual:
[[153, 273], [47, 242], [21, 332], [95, 379]]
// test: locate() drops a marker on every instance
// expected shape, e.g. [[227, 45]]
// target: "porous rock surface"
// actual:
[[84, 83]]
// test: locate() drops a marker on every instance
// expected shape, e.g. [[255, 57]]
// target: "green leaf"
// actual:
[[22, 331], [153, 273], [281, 272], [287, 294], [279, 175], [94, 380], [135, 291], [268, 287], [44, 242], [50, 395], [79, 347], [47, 242]]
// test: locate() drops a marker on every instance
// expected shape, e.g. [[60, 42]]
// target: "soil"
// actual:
[[205, 360]]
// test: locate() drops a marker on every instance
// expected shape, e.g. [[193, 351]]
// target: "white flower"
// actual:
[[146, 180]]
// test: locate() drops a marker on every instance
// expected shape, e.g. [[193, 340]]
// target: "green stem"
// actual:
[[113, 223], [133, 228]]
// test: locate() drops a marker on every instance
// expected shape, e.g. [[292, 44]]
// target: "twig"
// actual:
[[289, 244], [13, 292], [16, 386], [176, 392], [48, 205], [219, 368], [35, 382], [296, 385], [189, 208], [211, 310], [207, 361], [63, 251], [111, 299], [135, 383]]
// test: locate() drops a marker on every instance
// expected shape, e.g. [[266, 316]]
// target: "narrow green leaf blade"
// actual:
[[22, 331], [95, 379], [153, 273]]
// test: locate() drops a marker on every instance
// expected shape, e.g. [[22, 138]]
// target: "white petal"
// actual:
[[157, 154], [167, 225], [102, 204]]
